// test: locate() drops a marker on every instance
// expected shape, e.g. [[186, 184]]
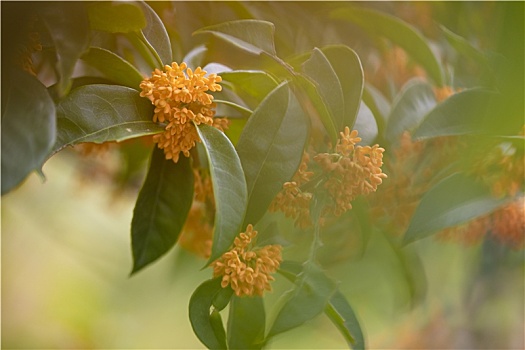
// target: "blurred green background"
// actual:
[[65, 285]]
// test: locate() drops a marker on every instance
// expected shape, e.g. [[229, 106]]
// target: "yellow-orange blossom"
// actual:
[[180, 97]]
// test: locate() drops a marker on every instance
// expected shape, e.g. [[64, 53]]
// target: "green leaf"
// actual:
[[313, 105], [270, 149], [378, 104], [399, 32], [207, 325], [466, 112], [251, 86], [309, 298], [229, 188], [342, 315], [113, 67], [222, 298], [410, 107], [156, 34], [161, 209], [347, 66], [319, 69], [116, 17], [244, 111], [453, 201], [366, 125], [464, 48], [195, 57], [250, 35], [28, 127], [100, 113], [246, 323], [70, 35], [337, 309]]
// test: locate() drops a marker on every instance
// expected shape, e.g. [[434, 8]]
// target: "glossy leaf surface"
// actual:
[[338, 309], [116, 17], [312, 103], [156, 34], [410, 107], [100, 113], [70, 35], [270, 149], [399, 32], [466, 112], [161, 209], [251, 86], [319, 69], [229, 188], [246, 323], [366, 125], [309, 298], [455, 200], [207, 324], [251, 35], [28, 127], [113, 67], [347, 66]]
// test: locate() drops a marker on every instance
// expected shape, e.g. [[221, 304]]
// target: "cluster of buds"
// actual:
[[181, 102], [292, 201], [351, 170], [245, 269]]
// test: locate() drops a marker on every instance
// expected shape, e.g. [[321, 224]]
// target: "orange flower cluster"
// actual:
[[292, 201], [349, 172], [353, 171], [181, 101], [248, 270], [507, 225]]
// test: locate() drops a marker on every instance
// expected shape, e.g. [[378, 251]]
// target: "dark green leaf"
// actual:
[[116, 17], [251, 86], [453, 201], [270, 148], [100, 113], [348, 69], [246, 323], [156, 34], [70, 35], [28, 127], [319, 69], [337, 309], [343, 316], [309, 298], [113, 67], [410, 107], [466, 112], [313, 105], [222, 298], [206, 324], [399, 32], [251, 35], [229, 188], [161, 209]]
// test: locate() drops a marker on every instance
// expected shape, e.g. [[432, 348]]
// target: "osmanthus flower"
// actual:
[[246, 269], [181, 99], [292, 201], [349, 171], [352, 171]]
